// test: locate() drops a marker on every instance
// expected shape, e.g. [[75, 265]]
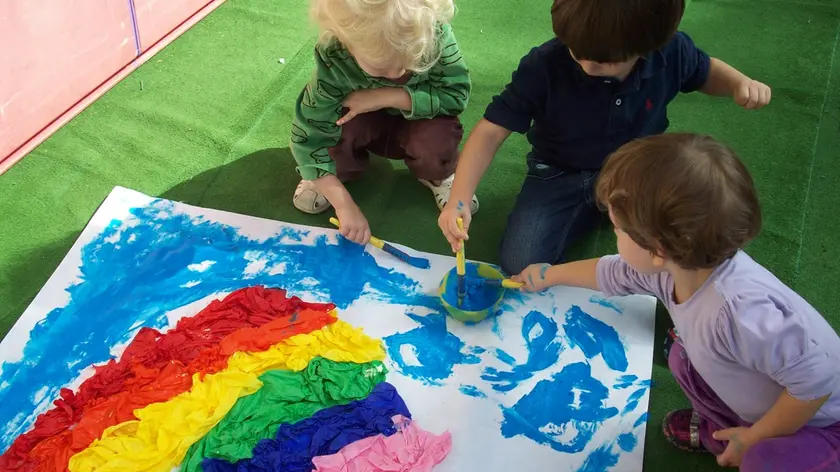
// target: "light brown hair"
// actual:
[[685, 197], [610, 31]]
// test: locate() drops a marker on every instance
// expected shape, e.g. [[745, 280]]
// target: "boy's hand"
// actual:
[[752, 94], [448, 222], [533, 277], [368, 100], [354, 225]]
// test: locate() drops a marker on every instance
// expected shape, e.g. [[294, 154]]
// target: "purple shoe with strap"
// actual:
[[682, 429]]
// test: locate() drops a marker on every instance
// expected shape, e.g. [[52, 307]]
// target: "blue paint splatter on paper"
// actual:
[[504, 357], [540, 334], [600, 460], [633, 401], [599, 300], [472, 391], [512, 300], [497, 329], [437, 350], [625, 381], [133, 274], [563, 412], [627, 442], [594, 337], [642, 420]]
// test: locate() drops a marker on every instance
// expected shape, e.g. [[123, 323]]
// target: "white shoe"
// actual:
[[309, 200], [442, 191]]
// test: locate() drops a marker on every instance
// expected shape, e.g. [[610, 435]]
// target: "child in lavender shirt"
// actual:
[[760, 365]]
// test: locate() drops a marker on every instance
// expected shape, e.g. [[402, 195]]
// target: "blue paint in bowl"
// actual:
[[480, 298]]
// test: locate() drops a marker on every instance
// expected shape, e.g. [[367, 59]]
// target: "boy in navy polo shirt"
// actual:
[[606, 79]]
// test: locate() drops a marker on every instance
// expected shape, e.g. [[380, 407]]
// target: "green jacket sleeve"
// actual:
[[318, 107], [448, 89]]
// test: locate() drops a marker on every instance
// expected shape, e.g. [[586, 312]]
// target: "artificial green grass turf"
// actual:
[[210, 127]]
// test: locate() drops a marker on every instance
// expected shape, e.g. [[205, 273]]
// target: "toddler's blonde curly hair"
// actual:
[[385, 30]]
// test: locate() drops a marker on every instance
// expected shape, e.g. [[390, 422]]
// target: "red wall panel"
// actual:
[[156, 18], [52, 54]]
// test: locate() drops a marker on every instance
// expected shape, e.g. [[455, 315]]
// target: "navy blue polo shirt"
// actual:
[[574, 121]]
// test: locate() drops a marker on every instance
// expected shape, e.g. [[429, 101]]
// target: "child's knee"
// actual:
[[437, 139], [768, 456], [676, 358]]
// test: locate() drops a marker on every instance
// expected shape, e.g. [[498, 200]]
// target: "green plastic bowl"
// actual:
[[464, 316]]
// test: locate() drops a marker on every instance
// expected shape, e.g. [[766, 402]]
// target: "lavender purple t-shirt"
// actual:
[[747, 334]]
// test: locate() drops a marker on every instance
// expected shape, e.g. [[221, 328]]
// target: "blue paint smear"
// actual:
[[497, 329], [645, 383], [510, 299], [627, 442], [642, 420], [633, 401], [599, 300], [472, 391], [437, 350], [540, 334], [132, 276], [572, 397], [477, 350], [625, 381], [600, 460], [479, 296], [594, 337], [505, 357]]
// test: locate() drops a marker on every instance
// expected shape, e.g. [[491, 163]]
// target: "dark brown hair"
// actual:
[[609, 31], [686, 197]]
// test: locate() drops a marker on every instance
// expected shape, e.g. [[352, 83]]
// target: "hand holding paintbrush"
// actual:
[[418, 262]]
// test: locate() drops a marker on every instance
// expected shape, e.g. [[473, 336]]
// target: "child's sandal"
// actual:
[[682, 429]]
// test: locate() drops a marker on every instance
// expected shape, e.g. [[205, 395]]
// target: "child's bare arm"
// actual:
[[727, 81], [784, 418], [581, 274], [482, 144]]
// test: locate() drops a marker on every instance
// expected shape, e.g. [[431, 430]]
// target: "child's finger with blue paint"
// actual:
[[524, 278]]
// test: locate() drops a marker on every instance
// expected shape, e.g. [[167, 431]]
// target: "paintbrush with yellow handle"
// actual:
[[418, 262], [461, 268]]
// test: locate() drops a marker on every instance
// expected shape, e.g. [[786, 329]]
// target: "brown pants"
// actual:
[[428, 147]]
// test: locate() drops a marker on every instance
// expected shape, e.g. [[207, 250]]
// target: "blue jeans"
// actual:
[[554, 208]]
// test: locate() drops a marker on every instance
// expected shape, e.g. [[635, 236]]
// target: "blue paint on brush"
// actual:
[[419, 262], [599, 300], [594, 337], [600, 460], [633, 400], [437, 350], [572, 397], [627, 442], [472, 391], [625, 381], [642, 420], [540, 334], [132, 275]]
